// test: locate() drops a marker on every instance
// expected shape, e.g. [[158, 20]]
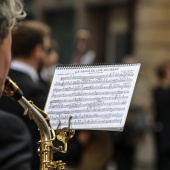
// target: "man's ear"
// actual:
[[37, 52]]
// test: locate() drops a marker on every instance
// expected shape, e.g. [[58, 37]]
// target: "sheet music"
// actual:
[[96, 97]]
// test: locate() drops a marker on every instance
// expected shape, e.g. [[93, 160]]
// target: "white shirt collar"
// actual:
[[25, 68]]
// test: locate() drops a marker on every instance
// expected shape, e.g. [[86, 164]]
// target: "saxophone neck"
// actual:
[[12, 90], [38, 118]]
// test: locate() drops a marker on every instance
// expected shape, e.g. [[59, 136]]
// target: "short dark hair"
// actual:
[[10, 11], [161, 69], [25, 39]]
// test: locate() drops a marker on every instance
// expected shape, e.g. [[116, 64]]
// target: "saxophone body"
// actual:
[[47, 133]]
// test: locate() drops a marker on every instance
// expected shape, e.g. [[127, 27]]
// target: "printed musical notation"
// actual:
[[95, 97]]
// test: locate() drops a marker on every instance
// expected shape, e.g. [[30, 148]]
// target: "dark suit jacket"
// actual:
[[162, 115], [15, 140], [35, 92]]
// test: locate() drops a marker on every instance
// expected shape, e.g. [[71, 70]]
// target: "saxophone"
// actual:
[[47, 133]]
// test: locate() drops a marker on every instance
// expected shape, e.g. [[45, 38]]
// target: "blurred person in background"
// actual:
[[82, 53], [161, 99], [15, 142], [124, 143], [51, 57], [97, 150], [28, 50], [95, 147], [49, 63]]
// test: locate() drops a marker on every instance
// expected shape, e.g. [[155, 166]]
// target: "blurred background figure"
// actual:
[[161, 98], [92, 141], [125, 143], [91, 156], [28, 49], [49, 63], [82, 53], [97, 151], [50, 57]]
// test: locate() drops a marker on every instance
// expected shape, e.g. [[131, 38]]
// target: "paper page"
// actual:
[[95, 97]]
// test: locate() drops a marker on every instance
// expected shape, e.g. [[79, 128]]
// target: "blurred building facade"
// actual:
[[109, 21], [119, 28]]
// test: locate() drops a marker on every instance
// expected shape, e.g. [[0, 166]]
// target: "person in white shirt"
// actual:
[[83, 54]]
